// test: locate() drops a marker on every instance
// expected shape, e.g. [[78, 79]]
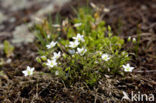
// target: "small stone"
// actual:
[[2, 27], [22, 35], [2, 17], [143, 7], [12, 20]]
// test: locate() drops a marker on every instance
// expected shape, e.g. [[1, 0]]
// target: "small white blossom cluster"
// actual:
[[74, 44], [127, 67], [74, 48], [52, 62]]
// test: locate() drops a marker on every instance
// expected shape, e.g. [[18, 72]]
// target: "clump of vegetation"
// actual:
[[8, 48], [81, 49], [1, 62]]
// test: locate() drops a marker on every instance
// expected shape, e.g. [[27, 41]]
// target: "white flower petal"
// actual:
[[77, 24], [51, 45], [56, 55], [71, 52], [74, 44], [81, 51], [79, 37]]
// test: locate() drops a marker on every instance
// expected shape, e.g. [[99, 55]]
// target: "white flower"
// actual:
[[57, 72], [127, 68], [71, 52], [56, 55], [28, 71], [48, 36], [74, 44], [79, 38], [77, 24], [81, 51], [51, 63], [51, 45], [44, 58], [134, 40], [105, 57]]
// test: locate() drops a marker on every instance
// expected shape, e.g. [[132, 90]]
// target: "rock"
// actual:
[[16, 4], [51, 7], [45, 10], [22, 35], [2, 27], [4, 36], [2, 17]]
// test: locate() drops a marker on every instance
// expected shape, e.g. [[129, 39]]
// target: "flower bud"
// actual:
[[56, 72], [129, 38], [44, 58], [38, 59], [110, 34], [64, 56], [109, 28], [44, 65], [134, 40]]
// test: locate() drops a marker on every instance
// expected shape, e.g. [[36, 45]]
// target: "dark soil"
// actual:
[[136, 18]]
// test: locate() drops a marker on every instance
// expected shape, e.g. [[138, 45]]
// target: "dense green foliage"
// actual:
[[98, 40]]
